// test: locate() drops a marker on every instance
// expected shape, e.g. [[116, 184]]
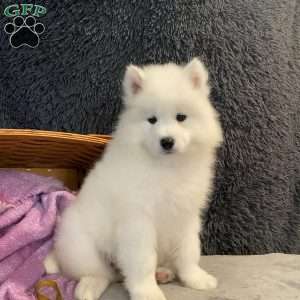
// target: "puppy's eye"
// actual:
[[152, 120], [180, 117]]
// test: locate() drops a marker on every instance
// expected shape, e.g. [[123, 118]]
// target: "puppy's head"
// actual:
[[167, 109]]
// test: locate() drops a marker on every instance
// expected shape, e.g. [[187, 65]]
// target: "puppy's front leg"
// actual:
[[187, 260], [137, 259]]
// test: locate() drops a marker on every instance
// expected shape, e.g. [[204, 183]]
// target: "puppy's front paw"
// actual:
[[153, 293], [90, 288], [198, 279]]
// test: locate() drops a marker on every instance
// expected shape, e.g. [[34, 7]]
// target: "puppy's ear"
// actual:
[[197, 73], [133, 81]]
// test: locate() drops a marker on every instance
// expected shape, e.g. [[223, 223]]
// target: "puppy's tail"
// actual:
[[51, 264]]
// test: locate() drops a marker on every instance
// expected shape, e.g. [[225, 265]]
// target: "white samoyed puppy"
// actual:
[[138, 209]]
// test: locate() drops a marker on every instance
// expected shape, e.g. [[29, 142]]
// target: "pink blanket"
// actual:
[[29, 208]]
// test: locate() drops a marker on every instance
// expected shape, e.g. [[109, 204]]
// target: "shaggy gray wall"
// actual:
[[71, 82]]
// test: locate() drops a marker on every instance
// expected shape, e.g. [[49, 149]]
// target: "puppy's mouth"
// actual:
[[168, 152]]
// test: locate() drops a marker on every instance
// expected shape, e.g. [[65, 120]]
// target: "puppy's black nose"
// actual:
[[167, 143]]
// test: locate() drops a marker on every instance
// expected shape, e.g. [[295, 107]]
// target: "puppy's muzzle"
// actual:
[[167, 144]]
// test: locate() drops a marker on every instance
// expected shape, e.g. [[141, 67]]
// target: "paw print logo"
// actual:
[[24, 32]]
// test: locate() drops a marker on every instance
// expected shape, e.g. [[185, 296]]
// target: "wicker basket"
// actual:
[[66, 156]]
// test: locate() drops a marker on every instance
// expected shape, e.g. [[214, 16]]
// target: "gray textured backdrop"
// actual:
[[71, 82]]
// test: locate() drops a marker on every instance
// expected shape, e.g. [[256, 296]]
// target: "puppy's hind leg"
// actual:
[[95, 274], [82, 261]]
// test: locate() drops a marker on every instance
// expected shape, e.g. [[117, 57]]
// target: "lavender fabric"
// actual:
[[29, 208]]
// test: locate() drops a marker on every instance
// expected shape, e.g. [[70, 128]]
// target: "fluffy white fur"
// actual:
[[138, 209]]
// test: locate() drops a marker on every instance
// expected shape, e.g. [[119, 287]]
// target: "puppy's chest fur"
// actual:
[[168, 197]]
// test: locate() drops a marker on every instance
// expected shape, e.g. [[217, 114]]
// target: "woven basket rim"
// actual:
[[28, 148], [86, 138]]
